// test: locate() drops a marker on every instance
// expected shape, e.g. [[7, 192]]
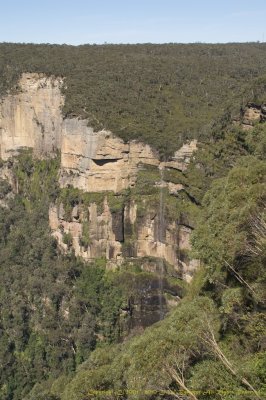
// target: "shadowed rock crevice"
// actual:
[[119, 235], [118, 225], [103, 162]]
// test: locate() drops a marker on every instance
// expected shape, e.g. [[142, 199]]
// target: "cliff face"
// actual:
[[90, 161], [123, 234], [32, 117], [99, 161], [102, 240], [95, 162]]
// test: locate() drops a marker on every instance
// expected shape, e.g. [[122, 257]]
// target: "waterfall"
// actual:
[[160, 238]]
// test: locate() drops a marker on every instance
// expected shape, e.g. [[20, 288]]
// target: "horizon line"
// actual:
[[131, 43]]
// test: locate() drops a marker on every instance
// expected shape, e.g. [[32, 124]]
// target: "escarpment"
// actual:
[[133, 231], [127, 220], [99, 161], [31, 117], [90, 161]]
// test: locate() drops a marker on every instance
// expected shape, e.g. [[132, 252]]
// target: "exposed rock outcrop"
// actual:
[[90, 161], [252, 114], [182, 157], [101, 234], [99, 161], [123, 234], [94, 162], [32, 117]]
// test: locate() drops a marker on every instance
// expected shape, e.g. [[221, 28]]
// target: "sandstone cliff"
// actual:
[[95, 162], [123, 234], [32, 117], [90, 161], [99, 161]]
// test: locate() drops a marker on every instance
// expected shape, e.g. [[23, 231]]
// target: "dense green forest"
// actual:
[[161, 94], [55, 309], [70, 330], [212, 344]]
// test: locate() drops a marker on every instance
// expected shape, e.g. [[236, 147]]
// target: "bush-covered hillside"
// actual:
[[54, 308], [161, 94], [67, 328], [212, 345]]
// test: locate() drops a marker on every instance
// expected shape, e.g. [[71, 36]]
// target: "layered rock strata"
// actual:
[[90, 161], [99, 161], [123, 234], [32, 117], [93, 162]]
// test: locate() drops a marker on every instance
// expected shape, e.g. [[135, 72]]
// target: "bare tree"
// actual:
[[176, 372], [212, 345], [239, 277], [258, 231]]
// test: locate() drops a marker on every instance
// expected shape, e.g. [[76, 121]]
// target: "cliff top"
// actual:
[[159, 94]]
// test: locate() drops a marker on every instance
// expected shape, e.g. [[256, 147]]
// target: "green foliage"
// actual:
[[116, 202], [36, 180], [67, 239], [256, 141], [147, 178], [226, 297], [211, 379], [64, 325], [215, 158], [148, 195], [160, 94], [228, 206], [232, 300], [259, 90], [196, 287], [139, 365], [61, 318], [54, 310], [85, 238], [5, 188], [174, 176], [70, 197]]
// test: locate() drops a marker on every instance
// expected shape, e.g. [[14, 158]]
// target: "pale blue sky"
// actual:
[[132, 21]]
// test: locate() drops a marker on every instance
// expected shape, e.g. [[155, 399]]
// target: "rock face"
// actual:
[[104, 239], [253, 113], [99, 161], [123, 234], [90, 161], [32, 117], [94, 162], [182, 157]]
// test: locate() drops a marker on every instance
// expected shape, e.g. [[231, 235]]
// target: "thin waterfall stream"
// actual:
[[160, 241]]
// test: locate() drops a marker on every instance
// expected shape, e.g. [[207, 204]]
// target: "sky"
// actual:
[[132, 21]]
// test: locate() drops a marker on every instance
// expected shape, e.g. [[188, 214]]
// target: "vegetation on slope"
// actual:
[[61, 325], [161, 94], [54, 309], [212, 345]]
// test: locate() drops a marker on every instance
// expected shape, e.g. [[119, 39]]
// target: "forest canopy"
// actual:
[[160, 94], [70, 330]]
